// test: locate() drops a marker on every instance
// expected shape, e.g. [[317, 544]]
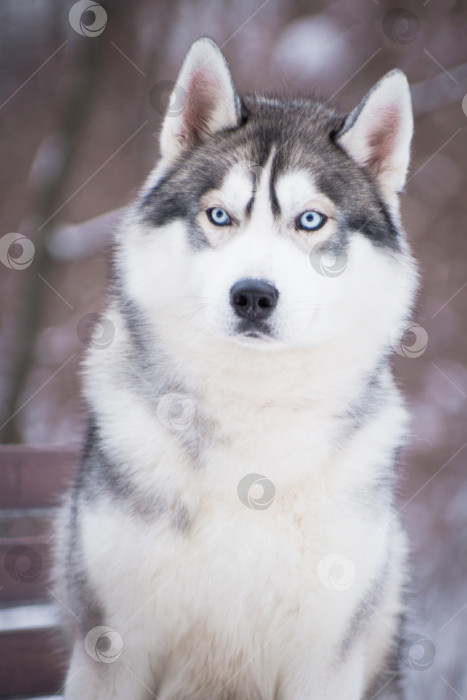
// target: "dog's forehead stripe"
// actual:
[[245, 184], [263, 202]]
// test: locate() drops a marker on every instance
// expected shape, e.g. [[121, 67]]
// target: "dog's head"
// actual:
[[273, 222]]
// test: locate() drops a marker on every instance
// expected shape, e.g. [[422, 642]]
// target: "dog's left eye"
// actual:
[[310, 220], [219, 216]]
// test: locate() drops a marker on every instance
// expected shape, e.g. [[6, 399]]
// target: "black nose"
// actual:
[[253, 299]]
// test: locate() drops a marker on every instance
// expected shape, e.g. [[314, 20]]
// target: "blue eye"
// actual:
[[310, 220], [219, 216]]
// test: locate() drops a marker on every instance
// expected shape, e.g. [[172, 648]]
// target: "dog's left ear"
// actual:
[[377, 134], [206, 98]]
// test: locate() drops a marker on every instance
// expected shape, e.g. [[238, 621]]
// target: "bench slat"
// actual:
[[33, 662], [33, 476]]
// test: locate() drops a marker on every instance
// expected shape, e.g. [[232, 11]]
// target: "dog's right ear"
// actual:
[[206, 97], [377, 134]]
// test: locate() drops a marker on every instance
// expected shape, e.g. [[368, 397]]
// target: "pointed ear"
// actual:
[[377, 134], [206, 97]]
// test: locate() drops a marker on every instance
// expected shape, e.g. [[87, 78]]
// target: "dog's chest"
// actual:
[[241, 573]]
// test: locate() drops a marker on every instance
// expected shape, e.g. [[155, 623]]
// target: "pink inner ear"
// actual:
[[203, 94], [382, 139]]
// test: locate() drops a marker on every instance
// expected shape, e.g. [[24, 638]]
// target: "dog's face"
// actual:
[[275, 223], [272, 233]]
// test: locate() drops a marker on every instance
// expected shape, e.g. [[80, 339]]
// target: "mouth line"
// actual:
[[253, 338], [253, 334], [249, 329]]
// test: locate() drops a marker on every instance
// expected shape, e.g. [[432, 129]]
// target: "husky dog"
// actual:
[[231, 532]]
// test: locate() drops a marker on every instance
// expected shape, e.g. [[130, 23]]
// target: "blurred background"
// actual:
[[83, 87]]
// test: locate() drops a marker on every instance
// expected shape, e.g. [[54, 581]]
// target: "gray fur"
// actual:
[[299, 134], [181, 520], [389, 683], [362, 616], [110, 480], [372, 397], [83, 608], [149, 370], [303, 134]]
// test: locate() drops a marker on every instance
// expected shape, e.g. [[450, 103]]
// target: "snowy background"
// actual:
[[79, 121]]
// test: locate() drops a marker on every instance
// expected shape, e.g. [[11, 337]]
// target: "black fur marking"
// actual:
[[82, 600], [177, 196], [365, 405], [361, 208], [149, 370], [114, 481], [362, 616], [302, 133], [389, 683], [380, 490], [275, 206], [181, 520]]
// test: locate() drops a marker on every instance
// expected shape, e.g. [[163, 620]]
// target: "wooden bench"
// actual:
[[32, 653]]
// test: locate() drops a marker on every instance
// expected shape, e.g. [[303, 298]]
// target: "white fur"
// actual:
[[312, 307], [205, 86], [381, 134], [238, 600], [242, 604]]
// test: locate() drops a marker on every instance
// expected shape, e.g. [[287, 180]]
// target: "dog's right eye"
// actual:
[[310, 220], [219, 216]]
